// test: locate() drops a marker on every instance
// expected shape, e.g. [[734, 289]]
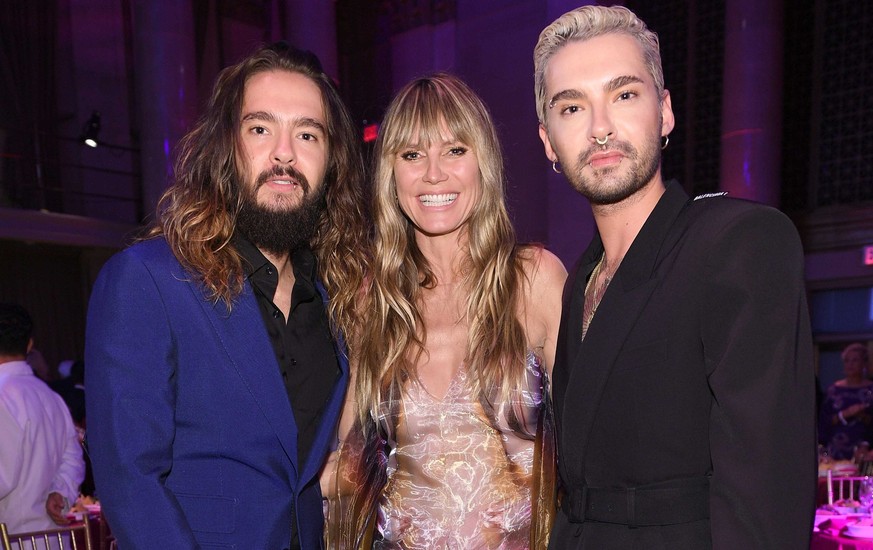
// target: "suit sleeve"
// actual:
[[131, 366], [758, 351]]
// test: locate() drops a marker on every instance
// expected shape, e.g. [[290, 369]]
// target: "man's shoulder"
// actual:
[[150, 252], [143, 263], [27, 388], [154, 249], [737, 224], [723, 202], [716, 209]]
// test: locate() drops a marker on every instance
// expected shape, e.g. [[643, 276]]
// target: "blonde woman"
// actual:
[[451, 446], [845, 419]]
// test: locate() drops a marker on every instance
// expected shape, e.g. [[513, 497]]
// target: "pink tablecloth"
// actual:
[[828, 541], [832, 536]]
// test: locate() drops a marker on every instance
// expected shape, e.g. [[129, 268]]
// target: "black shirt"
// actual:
[[303, 345]]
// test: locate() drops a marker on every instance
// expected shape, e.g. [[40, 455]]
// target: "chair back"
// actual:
[[50, 539]]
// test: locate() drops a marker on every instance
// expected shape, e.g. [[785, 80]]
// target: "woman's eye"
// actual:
[[410, 155], [308, 137], [457, 151]]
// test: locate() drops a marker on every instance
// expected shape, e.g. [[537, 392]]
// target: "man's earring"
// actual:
[[666, 142], [555, 167]]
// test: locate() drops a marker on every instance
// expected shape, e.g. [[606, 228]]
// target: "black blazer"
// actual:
[[698, 364]]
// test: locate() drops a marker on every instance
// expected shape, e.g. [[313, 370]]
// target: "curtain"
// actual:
[[28, 109]]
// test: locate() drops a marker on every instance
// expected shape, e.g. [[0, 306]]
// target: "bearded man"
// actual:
[[216, 366]]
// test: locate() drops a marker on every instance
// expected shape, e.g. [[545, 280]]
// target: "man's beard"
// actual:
[[280, 228], [605, 186]]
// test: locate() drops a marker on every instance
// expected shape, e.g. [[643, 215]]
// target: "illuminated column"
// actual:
[[166, 88], [309, 26], [752, 101]]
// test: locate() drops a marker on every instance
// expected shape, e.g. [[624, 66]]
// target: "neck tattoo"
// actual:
[[595, 289]]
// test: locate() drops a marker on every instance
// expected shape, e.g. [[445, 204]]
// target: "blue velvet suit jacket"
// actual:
[[190, 429]]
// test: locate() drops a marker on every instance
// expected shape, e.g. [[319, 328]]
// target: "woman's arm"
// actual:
[[545, 276]]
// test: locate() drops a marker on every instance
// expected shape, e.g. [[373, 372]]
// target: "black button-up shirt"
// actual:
[[303, 344]]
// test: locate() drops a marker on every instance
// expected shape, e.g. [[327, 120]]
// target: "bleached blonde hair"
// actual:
[[583, 24], [858, 348]]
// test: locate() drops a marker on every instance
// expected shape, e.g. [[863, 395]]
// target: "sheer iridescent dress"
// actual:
[[450, 472]]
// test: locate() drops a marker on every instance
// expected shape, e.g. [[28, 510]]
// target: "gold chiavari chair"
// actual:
[[79, 538]]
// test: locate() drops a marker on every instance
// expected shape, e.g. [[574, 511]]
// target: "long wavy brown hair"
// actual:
[[394, 333], [197, 214]]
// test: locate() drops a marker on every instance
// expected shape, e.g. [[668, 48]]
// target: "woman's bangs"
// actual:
[[425, 118]]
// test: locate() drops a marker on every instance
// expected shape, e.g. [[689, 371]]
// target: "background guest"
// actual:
[[71, 388], [41, 463], [39, 365], [845, 419]]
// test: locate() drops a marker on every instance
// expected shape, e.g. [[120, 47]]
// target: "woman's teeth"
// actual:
[[438, 200]]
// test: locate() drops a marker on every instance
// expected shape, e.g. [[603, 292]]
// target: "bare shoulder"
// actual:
[[543, 270]]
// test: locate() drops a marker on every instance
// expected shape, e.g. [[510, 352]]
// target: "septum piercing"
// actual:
[[605, 140]]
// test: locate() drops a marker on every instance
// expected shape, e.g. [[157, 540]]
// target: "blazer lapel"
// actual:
[[571, 321], [620, 307], [244, 339]]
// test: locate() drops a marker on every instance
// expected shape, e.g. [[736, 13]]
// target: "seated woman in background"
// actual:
[[451, 446], [846, 419]]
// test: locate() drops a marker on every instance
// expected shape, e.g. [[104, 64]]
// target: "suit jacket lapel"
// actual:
[[571, 321], [620, 307], [242, 334]]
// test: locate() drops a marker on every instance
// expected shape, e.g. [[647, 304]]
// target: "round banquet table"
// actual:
[[830, 541]]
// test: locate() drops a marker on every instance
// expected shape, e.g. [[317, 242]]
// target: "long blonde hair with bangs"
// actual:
[[394, 338]]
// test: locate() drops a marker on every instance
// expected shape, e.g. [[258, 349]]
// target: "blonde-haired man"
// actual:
[[683, 379]]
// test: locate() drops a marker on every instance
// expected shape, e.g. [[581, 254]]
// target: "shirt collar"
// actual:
[[303, 260], [16, 367]]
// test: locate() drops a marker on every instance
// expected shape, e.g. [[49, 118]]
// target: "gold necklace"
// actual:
[[594, 292]]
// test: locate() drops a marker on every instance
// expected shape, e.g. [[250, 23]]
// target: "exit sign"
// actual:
[[371, 132]]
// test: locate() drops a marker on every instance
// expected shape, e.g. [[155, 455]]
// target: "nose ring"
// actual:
[[605, 140]]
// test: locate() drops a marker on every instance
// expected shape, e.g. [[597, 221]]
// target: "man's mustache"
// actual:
[[623, 147], [284, 172]]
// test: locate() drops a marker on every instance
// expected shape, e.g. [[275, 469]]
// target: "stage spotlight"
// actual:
[[91, 130]]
